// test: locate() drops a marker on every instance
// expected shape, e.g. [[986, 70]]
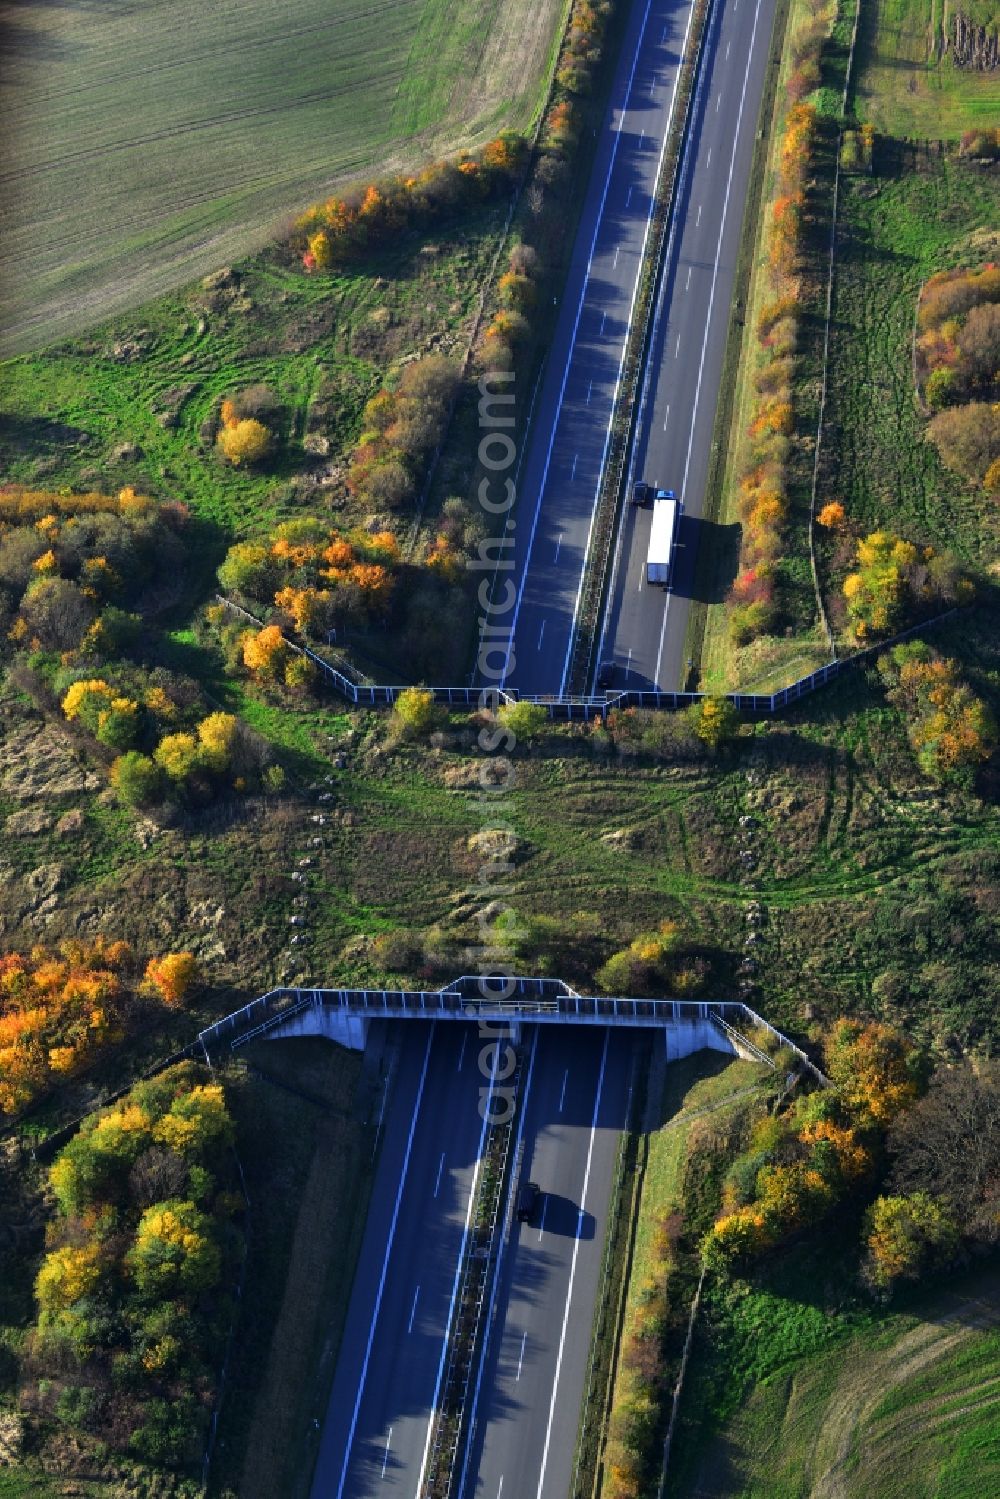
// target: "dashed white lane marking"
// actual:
[[562, 1094], [413, 1308], [642, 140], [698, 219], [540, 634], [708, 158], [603, 316], [572, 1268], [540, 491], [617, 253], [711, 303], [450, 1319], [628, 664], [545, 1208], [575, 458], [558, 545], [628, 198], [461, 1055], [718, 103], [385, 1459], [520, 1361], [666, 418], [728, 45], [688, 281], [385, 1268], [590, 389], [677, 347], [437, 1182]]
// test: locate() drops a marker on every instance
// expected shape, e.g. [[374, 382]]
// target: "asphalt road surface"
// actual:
[[375, 1436], [530, 1385], [560, 477], [535, 1375], [646, 625]]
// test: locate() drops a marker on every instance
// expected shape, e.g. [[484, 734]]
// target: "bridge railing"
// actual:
[[540, 998]]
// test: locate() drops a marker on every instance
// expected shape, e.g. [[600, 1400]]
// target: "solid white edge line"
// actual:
[[572, 1268], [471, 1427], [572, 342], [458, 1274], [711, 304], [385, 1264], [621, 362], [681, 184]]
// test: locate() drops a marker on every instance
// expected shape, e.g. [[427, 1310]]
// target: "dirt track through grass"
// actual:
[[147, 144]]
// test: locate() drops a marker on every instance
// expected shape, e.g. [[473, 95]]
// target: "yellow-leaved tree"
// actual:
[[178, 755], [265, 651], [174, 1251], [67, 1276], [172, 977], [244, 440], [217, 737]]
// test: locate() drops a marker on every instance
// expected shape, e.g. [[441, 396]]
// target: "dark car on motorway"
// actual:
[[641, 492], [605, 675], [527, 1201]]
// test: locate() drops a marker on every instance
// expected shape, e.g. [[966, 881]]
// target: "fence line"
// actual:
[[831, 640], [573, 708]]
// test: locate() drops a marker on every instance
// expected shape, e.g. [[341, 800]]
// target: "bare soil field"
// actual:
[[148, 143]]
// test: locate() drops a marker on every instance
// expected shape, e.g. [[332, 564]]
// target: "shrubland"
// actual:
[[135, 1290], [60, 1009]]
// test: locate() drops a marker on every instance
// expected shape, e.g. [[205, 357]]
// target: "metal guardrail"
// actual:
[[625, 419], [738, 1039], [478, 1270]]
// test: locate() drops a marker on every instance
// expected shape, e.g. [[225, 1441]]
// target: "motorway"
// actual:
[[537, 1360], [530, 1390], [561, 474]]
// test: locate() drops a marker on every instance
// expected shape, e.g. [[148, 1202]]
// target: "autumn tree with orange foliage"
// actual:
[[265, 652], [172, 977], [752, 604], [832, 516], [951, 730], [58, 1009], [341, 228]]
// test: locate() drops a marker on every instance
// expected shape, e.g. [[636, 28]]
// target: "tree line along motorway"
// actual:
[[529, 1387], [528, 1391], [644, 628]]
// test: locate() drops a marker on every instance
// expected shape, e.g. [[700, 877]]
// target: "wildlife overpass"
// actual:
[[343, 1015]]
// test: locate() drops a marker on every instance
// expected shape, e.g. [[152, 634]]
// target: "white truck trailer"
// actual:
[[662, 537]]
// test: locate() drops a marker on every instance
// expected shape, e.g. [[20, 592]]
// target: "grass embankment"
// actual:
[[920, 210], [924, 212], [793, 1396], [908, 84], [149, 147], [773, 661], [307, 1156], [701, 1085]]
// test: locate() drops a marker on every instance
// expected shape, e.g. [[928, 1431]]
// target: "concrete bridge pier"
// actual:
[[343, 1026]]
